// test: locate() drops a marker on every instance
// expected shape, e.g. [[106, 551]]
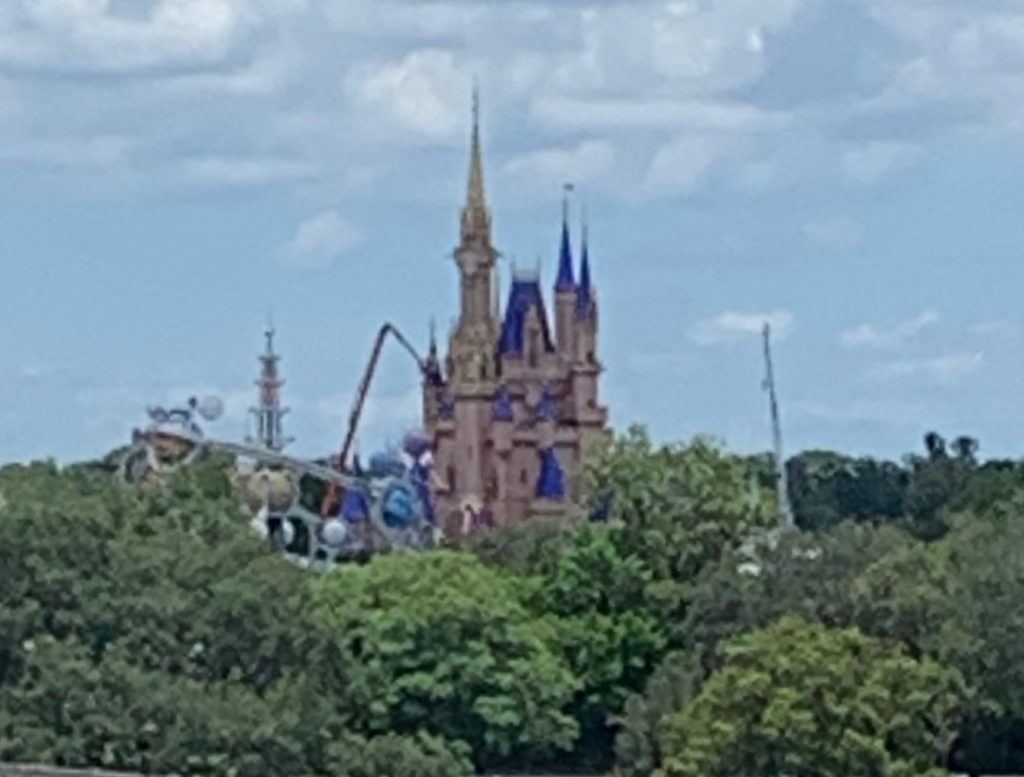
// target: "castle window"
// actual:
[[451, 478], [524, 477]]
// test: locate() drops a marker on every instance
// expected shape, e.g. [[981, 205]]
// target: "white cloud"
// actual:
[[221, 171], [995, 329], [874, 337], [732, 326], [544, 169], [625, 114], [869, 164], [321, 239], [946, 370], [834, 233], [680, 166], [423, 94], [75, 35]]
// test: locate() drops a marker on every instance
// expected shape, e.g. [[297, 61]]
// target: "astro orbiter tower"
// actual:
[[269, 414]]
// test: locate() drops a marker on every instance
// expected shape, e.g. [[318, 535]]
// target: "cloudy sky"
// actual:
[[177, 170]]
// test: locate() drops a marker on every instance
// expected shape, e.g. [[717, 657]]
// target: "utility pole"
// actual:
[[785, 513]]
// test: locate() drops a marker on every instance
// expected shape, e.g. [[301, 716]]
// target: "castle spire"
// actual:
[[565, 281], [476, 219], [584, 294]]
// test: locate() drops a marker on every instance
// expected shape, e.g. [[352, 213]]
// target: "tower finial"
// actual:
[[565, 281], [476, 221]]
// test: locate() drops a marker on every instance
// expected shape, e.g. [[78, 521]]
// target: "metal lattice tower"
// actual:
[[269, 414], [785, 512]]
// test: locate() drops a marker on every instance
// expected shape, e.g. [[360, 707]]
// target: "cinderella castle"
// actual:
[[517, 406]]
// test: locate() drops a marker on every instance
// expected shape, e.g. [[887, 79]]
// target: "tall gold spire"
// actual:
[[476, 220]]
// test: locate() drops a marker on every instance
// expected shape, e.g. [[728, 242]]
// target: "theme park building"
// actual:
[[518, 405]]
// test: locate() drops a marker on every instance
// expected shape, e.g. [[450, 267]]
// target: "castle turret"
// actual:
[[591, 418], [472, 350], [565, 293], [476, 259]]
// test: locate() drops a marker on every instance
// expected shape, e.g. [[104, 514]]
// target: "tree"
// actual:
[[935, 482], [798, 698], [608, 627], [957, 600], [680, 508], [440, 643], [389, 755], [828, 488]]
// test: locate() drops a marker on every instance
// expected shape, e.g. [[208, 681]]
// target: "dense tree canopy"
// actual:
[[798, 698], [149, 630]]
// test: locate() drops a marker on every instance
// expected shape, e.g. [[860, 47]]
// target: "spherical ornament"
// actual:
[[417, 443], [334, 533], [273, 488], [210, 408]]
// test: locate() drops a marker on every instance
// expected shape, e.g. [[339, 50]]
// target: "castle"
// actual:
[[517, 405]]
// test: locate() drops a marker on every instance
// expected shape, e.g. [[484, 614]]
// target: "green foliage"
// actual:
[[609, 628], [441, 643], [959, 600], [828, 488], [148, 630], [390, 755], [681, 507], [798, 698], [810, 576], [531, 547]]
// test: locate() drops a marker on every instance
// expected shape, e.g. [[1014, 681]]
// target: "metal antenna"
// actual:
[[785, 513]]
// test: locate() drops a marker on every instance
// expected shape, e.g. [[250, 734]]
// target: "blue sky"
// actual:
[[177, 170]]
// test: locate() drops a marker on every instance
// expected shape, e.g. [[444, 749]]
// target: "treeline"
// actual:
[[680, 636]]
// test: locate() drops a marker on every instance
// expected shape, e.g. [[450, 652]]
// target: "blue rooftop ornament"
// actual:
[[503, 409], [551, 483]]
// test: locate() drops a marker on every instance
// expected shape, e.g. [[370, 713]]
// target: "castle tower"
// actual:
[[268, 413], [591, 417], [518, 397], [473, 340], [565, 291], [473, 364]]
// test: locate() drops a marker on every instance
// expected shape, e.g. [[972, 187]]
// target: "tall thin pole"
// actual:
[[785, 513]]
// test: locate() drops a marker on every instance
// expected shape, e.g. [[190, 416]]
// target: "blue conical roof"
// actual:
[[584, 293], [565, 280]]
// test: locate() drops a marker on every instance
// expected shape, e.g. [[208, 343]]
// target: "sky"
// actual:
[[177, 172]]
